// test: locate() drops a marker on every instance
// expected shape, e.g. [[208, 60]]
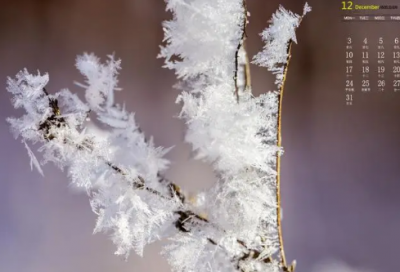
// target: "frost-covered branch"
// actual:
[[276, 57], [86, 156], [117, 192], [215, 126], [236, 224]]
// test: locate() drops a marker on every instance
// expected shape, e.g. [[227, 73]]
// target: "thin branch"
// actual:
[[239, 46], [247, 74], [285, 267], [278, 166]]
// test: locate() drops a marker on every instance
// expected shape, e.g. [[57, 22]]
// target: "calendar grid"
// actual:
[[372, 65]]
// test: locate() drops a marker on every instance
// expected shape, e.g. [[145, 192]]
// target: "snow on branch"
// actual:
[[241, 140], [121, 173], [202, 38], [277, 38], [233, 226], [123, 190]]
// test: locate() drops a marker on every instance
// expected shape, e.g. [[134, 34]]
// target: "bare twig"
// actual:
[[284, 265], [278, 163]]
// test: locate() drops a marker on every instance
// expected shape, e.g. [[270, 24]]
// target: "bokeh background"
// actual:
[[341, 166]]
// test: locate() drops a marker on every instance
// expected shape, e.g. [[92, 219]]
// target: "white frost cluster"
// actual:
[[122, 170], [238, 139], [122, 203], [277, 37], [203, 35]]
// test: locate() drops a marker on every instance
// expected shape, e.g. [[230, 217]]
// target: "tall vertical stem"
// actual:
[[278, 162]]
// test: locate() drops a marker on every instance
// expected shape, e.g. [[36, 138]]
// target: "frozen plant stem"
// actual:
[[278, 166], [234, 225], [278, 161], [247, 86], [185, 216]]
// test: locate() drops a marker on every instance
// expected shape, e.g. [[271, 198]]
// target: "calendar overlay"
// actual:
[[372, 62], [372, 65]]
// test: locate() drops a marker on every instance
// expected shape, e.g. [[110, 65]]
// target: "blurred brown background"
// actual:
[[341, 165]]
